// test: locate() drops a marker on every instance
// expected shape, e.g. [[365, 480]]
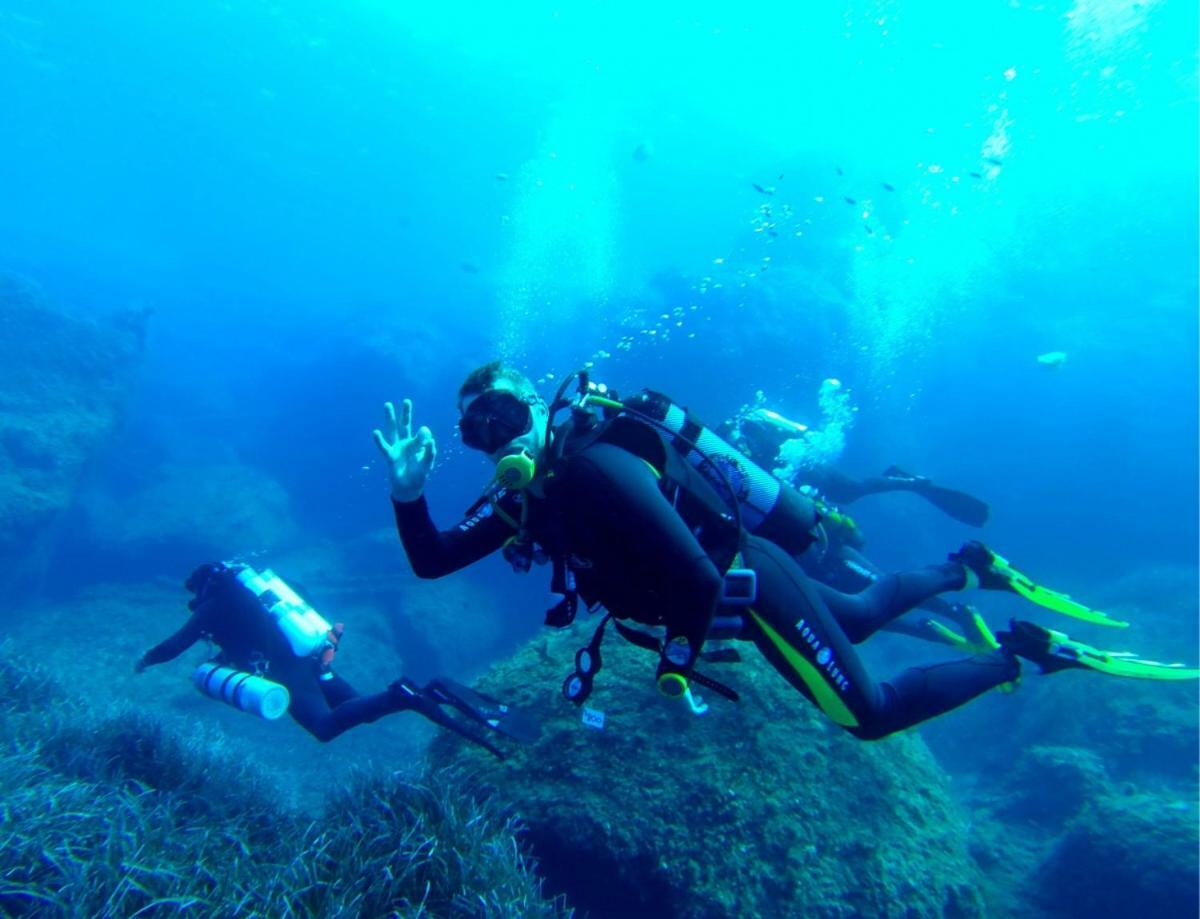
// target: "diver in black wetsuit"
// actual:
[[838, 561], [649, 550], [761, 432], [234, 617]]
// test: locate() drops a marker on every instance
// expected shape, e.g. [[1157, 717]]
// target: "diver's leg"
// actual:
[[791, 626], [888, 597], [336, 690], [837, 486], [846, 569], [849, 571], [310, 706]]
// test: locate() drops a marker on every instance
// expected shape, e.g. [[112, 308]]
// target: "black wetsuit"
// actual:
[[633, 552], [322, 703], [844, 568], [843, 489]]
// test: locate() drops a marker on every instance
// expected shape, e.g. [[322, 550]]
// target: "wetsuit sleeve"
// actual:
[[190, 633], [647, 541], [434, 553]]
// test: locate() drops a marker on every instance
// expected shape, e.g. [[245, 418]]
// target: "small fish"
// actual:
[[766, 191], [772, 233], [501, 176], [469, 267], [839, 171], [1052, 358], [849, 200], [976, 175], [779, 177], [994, 160], [870, 232], [888, 186]]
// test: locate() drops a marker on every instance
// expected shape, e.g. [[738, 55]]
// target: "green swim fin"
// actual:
[[1052, 599], [948, 636], [983, 643], [1054, 651], [995, 573]]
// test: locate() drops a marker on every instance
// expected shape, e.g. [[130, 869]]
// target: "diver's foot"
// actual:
[[980, 561], [1039, 645], [404, 694]]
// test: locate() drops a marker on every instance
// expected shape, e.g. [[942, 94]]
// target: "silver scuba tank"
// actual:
[[769, 508], [244, 691], [305, 629]]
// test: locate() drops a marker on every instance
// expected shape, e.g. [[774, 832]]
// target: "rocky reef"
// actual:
[[193, 510], [62, 388], [1084, 786], [755, 808]]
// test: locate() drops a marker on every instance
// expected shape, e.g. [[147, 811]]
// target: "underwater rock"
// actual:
[[1132, 855], [1143, 731], [196, 511], [59, 401], [1050, 785], [425, 613], [757, 808]]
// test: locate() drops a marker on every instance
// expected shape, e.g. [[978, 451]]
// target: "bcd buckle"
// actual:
[[739, 587]]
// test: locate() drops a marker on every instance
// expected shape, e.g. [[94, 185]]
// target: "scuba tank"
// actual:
[[244, 691], [769, 508], [305, 629], [838, 526]]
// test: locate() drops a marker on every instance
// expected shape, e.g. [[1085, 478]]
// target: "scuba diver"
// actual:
[[760, 433], [276, 655], [837, 560], [644, 511]]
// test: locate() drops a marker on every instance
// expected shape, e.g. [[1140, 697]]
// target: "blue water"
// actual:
[[327, 206]]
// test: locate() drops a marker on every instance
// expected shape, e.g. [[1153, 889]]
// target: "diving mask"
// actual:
[[495, 418]]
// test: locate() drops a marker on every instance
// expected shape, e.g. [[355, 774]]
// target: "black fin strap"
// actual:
[[719, 688], [638, 637]]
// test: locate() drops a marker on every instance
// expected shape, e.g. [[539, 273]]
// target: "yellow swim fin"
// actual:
[[1053, 651], [949, 636], [985, 640], [995, 573], [1053, 600]]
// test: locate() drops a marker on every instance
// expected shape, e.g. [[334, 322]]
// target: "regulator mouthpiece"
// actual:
[[515, 471]]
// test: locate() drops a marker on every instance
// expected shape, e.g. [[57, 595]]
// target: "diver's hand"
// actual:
[[409, 457], [140, 665]]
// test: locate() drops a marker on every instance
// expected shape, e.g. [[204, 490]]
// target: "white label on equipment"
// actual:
[[593, 718]]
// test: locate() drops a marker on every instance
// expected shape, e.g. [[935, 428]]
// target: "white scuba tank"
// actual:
[[304, 628], [768, 507], [245, 691]]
